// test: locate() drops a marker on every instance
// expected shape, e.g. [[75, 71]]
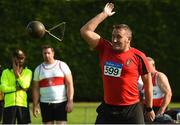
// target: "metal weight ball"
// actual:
[[36, 29]]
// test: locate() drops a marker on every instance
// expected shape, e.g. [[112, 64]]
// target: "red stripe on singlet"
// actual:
[[53, 81], [158, 102]]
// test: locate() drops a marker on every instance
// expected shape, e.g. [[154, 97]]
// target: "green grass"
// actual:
[[174, 105], [84, 113]]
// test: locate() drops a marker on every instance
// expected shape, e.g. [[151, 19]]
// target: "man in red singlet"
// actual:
[[121, 66]]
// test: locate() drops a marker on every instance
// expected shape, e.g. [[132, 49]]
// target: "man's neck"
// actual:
[[50, 62]]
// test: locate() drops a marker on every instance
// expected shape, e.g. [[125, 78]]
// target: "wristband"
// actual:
[[149, 109]]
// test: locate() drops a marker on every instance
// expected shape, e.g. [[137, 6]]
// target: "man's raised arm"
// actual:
[[88, 30]]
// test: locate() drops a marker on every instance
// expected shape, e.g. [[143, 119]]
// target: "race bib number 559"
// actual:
[[112, 69]]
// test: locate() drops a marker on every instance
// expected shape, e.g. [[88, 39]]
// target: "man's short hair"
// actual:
[[47, 46], [18, 53], [124, 27]]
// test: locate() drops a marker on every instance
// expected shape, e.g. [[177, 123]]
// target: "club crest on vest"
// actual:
[[128, 61]]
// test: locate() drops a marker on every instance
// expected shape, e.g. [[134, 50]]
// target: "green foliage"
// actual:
[[155, 24]]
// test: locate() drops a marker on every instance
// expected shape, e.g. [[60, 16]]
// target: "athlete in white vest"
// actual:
[[51, 81], [53, 87], [161, 89]]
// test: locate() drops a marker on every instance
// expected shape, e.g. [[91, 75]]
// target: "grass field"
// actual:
[[84, 113]]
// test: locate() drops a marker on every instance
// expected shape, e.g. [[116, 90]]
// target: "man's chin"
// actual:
[[117, 49]]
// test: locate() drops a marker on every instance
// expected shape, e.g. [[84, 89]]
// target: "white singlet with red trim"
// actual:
[[158, 95], [50, 78]]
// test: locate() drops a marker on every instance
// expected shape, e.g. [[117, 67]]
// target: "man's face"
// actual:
[[48, 55], [19, 61], [120, 41]]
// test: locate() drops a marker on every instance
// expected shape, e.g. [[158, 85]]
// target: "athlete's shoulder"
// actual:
[[38, 67], [104, 42], [161, 75], [64, 66], [61, 62], [136, 51], [6, 70], [27, 69]]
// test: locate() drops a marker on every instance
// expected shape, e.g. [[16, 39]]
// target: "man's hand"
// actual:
[[150, 116], [69, 106], [161, 111], [36, 111], [108, 9], [16, 68]]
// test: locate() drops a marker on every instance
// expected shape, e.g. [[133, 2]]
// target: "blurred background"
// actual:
[[155, 25]]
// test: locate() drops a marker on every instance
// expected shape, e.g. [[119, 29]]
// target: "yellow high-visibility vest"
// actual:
[[12, 96]]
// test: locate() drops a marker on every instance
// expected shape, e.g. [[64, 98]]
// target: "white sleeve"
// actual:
[[65, 68]]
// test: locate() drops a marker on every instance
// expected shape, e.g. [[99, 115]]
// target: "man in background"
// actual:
[[53, 87], [161, 89], [15, 81]]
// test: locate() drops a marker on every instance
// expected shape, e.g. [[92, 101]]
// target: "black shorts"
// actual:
[[22, 115], [108, 114], [53, 111]]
